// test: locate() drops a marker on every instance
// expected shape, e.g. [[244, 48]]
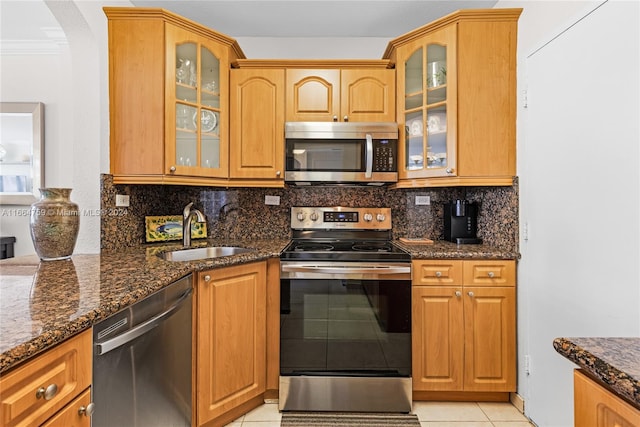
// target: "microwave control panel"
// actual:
[[384, 156]]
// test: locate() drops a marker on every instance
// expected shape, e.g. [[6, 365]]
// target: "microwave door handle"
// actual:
[[369, 158]]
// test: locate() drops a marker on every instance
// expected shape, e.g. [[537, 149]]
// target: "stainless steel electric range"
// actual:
[[345, 334]]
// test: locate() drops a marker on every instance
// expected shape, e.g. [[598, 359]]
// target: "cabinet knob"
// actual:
[[278, 173], [490, 274], [438, 274], [345, 118], [458, 294], [335, 118], [449, 170], [172, 169], [470, 294], [48, 393], [88, 410], [207, 278]]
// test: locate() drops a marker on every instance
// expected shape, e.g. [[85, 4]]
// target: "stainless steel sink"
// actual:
[[202, 253]]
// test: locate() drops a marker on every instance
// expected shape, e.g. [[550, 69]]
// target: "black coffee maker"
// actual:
[[461, 222]]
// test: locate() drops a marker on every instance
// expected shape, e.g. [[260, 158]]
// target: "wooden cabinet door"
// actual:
[[64, 372], [231, 338], [437, 338], [257, 124], [367, 95], [595, 406], [427, 105], [490, 338], [313, 95], [196, 133]]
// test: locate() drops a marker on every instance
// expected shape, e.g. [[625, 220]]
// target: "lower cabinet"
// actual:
[[464, 326], [52, 389], [230, 342], [595, 406]]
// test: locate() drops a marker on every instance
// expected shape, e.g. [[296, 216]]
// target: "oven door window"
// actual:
[[345, 327], [346, 155]]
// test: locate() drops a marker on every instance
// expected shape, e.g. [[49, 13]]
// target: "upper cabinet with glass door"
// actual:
[[456, 99], [429, 149], [168, 98], [199, 146]]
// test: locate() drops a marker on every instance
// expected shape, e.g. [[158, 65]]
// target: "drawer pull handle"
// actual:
[[470, 294], [458, 294], [438, 274], [207, 278], [490, 274], [88, 410], [48, 393]]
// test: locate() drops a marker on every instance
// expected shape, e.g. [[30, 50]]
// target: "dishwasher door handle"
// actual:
[[142, 328]]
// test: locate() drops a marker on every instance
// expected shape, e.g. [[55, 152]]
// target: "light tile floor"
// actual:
[[430, 414]]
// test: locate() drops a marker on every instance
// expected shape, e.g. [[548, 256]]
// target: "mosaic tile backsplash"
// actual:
[[241, 213]]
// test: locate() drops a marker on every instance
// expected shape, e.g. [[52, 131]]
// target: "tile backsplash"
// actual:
[[241, 213]]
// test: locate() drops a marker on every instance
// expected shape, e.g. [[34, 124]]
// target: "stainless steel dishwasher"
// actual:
[[142, 362]]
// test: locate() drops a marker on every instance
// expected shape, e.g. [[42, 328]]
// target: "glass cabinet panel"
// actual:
[[197, 106], [210, 116], [426, 109]]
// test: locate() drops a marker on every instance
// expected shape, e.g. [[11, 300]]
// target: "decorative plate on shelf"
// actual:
[[208, 120], [165, 228], [416, 128]]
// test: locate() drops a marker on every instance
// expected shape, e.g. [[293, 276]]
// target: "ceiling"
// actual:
[[31, 20], [314, 18]]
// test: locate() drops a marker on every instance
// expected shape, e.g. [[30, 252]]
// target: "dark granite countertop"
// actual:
[[44, 303], [441, 249], [615, 362]]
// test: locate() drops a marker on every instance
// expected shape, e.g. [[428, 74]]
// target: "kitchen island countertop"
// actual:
[[614, 361]]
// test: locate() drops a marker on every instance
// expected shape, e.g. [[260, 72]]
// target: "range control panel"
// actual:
[[338, 217]]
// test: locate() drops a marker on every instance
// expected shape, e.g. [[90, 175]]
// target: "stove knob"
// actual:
[[314, 216], [381, 217], [368, 217], [301, 216]]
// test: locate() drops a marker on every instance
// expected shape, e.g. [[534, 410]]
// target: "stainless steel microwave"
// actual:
[[350, 153]]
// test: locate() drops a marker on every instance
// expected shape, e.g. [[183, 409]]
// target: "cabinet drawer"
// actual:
[[66, 367], [490, 273], [71, 416], [437, 272]]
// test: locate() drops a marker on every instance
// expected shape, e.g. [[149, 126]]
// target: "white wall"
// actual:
[[578, 162], [72, 82]]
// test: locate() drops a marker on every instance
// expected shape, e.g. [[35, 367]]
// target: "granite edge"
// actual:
[[617, 381]]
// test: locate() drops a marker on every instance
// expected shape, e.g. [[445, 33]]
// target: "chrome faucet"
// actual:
[[187, 216]]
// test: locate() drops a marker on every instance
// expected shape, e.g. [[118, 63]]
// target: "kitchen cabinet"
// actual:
[[464, 326], [257, 126], [230, 342], [595, 406], [48, 385], [350, 94], [456, 100], [168, 91]]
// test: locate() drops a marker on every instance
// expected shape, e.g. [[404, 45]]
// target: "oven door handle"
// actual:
[[346, 269], [369, 159]]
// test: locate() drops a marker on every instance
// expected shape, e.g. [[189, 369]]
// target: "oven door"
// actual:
[[345, 319], [345, 333]]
